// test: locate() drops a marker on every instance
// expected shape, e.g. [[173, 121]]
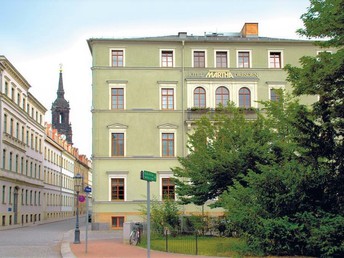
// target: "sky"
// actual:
[[36, 36]]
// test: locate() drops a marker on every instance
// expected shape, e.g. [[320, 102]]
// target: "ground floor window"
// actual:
[[117, 221], [167, 189], [117, 189]]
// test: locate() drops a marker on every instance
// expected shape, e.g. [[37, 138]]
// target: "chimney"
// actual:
[[182, 35], [250, 29]]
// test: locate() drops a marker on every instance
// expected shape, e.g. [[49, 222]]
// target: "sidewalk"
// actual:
[[103, 244]]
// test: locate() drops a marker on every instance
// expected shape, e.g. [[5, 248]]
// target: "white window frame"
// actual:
[[110, 56], [118, 176], [168, 86], [281, 55], [173, 57], [118, 86], [276, 87], [174, 131], [111, 131], [205, 57], [252, 86], [216, 86], [219, 50], [250, 58], [163, 175]]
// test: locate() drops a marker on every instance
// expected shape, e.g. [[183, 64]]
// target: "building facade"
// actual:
[[37, 164], [148, 93]]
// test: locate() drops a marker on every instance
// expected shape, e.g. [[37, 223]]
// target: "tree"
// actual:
[[322, 127], [296, 205], [220, 151], [164, 215]]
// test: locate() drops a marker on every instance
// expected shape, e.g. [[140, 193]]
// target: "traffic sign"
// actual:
[[82, 198], [88, 189], [148, 176]]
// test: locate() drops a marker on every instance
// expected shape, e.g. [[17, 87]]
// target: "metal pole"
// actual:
[[77, 230], [86, 221], [148, 219]]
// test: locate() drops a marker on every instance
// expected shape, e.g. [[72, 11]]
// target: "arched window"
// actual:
[[222, 96], [199, 97], [244, 98]]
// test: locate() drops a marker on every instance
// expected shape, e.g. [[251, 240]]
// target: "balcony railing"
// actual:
[[195, 114], [13, 141]]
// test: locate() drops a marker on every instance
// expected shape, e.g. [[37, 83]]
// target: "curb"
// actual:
[[66, 252]]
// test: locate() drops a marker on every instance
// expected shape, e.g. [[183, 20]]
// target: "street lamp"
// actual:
[[77, 187]]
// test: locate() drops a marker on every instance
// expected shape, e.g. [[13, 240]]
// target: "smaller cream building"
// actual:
[[37, 165]]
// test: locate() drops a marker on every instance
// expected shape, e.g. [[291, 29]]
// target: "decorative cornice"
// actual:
[[117, 126], [167, 126]]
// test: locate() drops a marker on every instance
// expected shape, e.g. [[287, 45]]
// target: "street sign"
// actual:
[[88, 189], [148, 176], [82, 198]]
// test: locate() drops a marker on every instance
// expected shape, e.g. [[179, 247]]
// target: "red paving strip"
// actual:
[[116, 249]]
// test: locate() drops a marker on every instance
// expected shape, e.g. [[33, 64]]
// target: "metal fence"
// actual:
[[188, 243]]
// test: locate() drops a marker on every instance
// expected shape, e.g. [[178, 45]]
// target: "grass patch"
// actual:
[[209, 246]]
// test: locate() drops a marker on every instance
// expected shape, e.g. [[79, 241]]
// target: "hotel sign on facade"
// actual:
[[222, 74]]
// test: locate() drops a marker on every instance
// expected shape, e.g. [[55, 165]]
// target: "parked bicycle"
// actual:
[[135, 234]]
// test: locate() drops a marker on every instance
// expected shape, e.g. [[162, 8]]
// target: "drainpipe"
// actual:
[[183, 105]]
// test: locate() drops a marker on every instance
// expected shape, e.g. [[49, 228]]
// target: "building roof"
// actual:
[[248, 34]]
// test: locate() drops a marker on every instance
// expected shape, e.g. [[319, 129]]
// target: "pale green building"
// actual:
[[147, 93]]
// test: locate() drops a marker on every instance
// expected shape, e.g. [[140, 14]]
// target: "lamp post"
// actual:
[[77, 186]]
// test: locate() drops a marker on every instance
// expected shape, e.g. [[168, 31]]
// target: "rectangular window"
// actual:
[[275, 60], [117, 222], [168, 144], [221, 59], [117, 189], [117, 98], [3, 193], [6, 88], [117, 58], [17, 163], [3, 159], [5, 123], [11, 127], [22, 165], [199, 58], [17, 130], [168, 186], [12, 94], [274, 95], [10, 195], [117, 144], [166, 58], [244, 59], [10, 161], [22, 196], [167, 99]]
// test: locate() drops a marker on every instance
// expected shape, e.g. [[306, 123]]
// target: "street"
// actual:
[[37, 240]]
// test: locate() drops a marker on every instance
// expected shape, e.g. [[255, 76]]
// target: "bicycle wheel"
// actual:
[[133, 240]]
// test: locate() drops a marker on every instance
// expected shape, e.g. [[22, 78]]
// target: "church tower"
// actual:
[[60, 113]]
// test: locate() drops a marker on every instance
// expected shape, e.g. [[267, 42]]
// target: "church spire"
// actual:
[[60, 113], [60, 90]]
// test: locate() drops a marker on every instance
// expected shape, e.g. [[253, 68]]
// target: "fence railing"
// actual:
[[187, 243]]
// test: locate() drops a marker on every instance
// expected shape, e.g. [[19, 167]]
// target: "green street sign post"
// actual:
[[149, 177]]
